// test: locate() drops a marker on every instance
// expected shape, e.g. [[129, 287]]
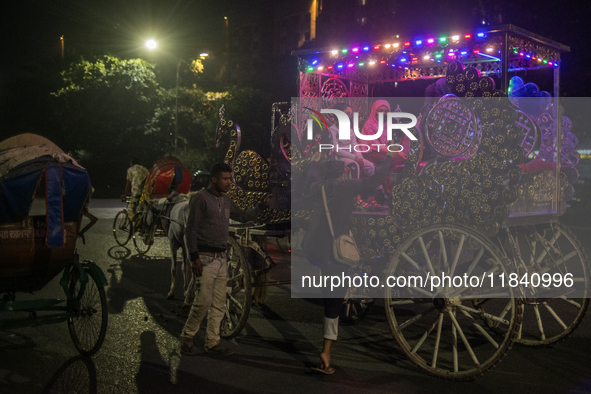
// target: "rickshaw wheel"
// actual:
[[122, 228], [557, 251], [140, 241], [438, 328], [238, 291], [88, 315]]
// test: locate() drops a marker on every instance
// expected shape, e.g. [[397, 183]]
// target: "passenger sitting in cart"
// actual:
[[136, 177], [376, 154], [346, 152]]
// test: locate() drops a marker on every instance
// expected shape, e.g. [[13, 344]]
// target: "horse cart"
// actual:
[[44, 196], [490, 169]]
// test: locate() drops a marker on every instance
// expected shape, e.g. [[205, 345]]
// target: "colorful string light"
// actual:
[[432, 55]]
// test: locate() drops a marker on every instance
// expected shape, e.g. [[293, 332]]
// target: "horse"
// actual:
[[176, 217]]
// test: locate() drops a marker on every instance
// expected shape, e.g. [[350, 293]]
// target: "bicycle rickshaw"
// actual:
[[44, 196], [485, 205], [166, 175]]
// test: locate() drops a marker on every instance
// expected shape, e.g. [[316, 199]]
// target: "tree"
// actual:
[[105, 108], [106, 102]]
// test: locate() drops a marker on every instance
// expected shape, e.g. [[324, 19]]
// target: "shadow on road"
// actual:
[[156, 375]]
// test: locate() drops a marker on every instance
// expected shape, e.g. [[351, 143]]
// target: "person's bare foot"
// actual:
[[325, 359]]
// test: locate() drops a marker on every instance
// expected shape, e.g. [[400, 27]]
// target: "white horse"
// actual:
[[177, 218]]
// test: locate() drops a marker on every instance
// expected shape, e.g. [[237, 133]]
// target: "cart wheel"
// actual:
[[550, 315], [122, 228], [238, 291], [355, 309], [88, 320], [439, 329], [144, 243]]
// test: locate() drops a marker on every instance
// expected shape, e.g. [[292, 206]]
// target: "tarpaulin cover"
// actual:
[[66, 185], [55, 219], [166, 171], [25, 147]]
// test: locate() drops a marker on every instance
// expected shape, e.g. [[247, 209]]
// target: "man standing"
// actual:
[[206, 237], [136, 177]]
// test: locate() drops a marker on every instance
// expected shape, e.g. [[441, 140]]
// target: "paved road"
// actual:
[[273, 354]]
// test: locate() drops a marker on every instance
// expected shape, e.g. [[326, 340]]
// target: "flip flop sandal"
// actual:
[[322, 369]]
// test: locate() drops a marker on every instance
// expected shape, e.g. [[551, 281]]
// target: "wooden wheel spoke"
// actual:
[[555, 316], [228, 319], [454, 334], [457, 256], [236, 277], [476, 260], [463, 337], [426, 254], [480, 329], [539, 321], [571, 302], [484, 314], [415, 319], [425, 335], [545, 249], [443, 251], [420, 290], [235, 302], [437, 340], [410, 260]]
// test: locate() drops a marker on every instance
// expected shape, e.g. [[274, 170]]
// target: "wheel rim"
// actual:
[[441, 331], [550, 249], [139, 242], [122, 228], [238, 291], [88, 322]]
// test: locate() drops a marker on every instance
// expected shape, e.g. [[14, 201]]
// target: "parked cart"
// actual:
[[44, 196]]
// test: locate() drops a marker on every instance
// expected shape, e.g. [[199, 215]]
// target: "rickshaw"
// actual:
[[45, 195], [166, 175]]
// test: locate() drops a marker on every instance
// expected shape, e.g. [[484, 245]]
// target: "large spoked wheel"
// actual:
[[144, 242], [238, 291], [122, 228], [88, 312], [438, 327], [549, 253]]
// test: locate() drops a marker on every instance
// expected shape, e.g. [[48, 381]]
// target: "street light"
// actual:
[[151, 44]]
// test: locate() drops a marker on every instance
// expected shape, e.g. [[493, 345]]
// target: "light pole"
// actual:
[[151, 44], [176, 103]]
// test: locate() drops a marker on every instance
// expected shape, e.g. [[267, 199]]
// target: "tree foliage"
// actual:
[[108, 103], [111, 109]]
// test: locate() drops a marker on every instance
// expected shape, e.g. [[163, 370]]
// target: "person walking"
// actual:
[[318, 241], [206, 237]]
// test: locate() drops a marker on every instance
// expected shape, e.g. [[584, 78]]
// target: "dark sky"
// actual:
[[33, 27]]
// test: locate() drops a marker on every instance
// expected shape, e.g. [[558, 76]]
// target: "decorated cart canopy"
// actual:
[[168, 171], [492, 146], [33, 167], [348, 70]]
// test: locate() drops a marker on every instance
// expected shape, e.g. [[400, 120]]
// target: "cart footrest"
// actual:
[[33, 321]]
